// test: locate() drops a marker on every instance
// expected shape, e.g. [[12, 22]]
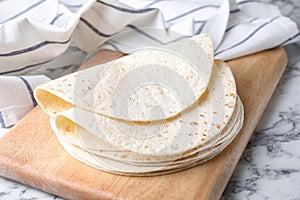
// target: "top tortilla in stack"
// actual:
[[152, 112], [184, 66]]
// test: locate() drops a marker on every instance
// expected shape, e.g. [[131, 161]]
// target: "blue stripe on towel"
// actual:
[[246, 1], [55, 18], [32, 48], [203, 22], [95, 29], [289, 39], [235, 11], [144, 33], [23, 68], [133, 11], [233, 26], [136, 29], [70, 5], [2, 124], [115, 47], [22, 12], [191, 11], [248, 37], [29, 90]]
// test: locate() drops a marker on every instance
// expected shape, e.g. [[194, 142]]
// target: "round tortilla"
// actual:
[[148, 85]]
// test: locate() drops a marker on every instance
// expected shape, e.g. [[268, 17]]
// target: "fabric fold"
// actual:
[[16, 97]]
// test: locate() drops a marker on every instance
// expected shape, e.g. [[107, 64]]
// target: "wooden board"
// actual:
[[31, 154]]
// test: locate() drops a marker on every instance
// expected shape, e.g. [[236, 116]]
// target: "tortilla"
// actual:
[[149, 85]]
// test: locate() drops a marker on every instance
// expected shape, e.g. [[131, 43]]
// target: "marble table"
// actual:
[[270, 165]]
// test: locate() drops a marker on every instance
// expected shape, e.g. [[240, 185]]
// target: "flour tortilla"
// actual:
[[146, 86]]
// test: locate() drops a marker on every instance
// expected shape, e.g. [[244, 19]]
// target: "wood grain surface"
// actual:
[[31, 154]]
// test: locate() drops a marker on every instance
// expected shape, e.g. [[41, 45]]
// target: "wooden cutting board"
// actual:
[[31, 154]]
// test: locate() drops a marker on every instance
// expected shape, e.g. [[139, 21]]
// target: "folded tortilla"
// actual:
[[149, 85]]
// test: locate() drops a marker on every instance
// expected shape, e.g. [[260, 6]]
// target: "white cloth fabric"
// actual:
[[17, 97], [34, 32]]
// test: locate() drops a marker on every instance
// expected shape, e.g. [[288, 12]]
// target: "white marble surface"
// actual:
[[270, 166]]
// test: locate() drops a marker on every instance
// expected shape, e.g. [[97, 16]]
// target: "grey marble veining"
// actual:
[[270, 165], [12, 191]]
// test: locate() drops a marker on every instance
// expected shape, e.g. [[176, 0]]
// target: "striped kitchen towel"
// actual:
[[17, 99], [34, 32]]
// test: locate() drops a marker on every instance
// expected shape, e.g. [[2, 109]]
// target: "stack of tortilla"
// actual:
[[153, 112]]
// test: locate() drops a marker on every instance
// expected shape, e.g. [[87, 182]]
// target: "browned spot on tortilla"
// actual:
[[229, 105], [193, 123], [123, 156], [68, 128], [201, 115]]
